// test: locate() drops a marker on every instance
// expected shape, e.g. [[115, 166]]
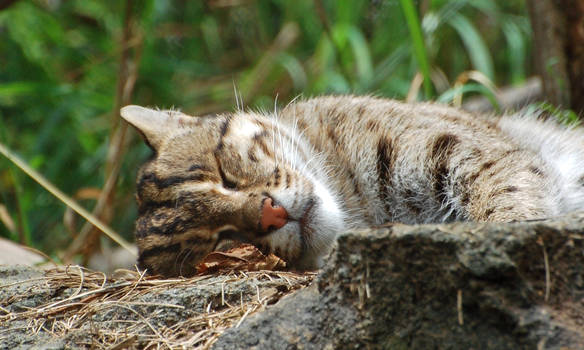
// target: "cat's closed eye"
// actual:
[[227, 183]]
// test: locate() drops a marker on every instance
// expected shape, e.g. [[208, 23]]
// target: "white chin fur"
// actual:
[[326, 222], [306, 250]]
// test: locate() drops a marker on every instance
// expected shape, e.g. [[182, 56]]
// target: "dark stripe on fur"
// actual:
[[486, 166], [151, 178], [408, 194], [277, 176], [332, 113], [355, 182], [152, 206], [373, 125], [262, 145], [441, 151], [177, 226], [251, 156], [225, 126], [223, 132], [197, 241], [227, 183], [510, 151], [258, 136], [195, 167], [385, 163], [535, 170], [332, 135], [258, 141], [173, 217], [158, 250], [360, 111]]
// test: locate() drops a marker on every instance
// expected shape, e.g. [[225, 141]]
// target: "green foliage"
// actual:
[[450, 94], [564, 116], [418, 43], [60, 64]]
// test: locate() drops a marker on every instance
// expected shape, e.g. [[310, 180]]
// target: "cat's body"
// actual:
[[290, 182]]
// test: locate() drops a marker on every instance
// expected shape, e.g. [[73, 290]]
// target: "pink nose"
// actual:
[[273, 217]]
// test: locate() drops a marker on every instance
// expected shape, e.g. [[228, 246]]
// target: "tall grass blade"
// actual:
[[386, 68], [418, 43], [361, 54], [476, 48], [64, 198], [516, 53], [452, 95], [448, 10], [489, 7], [480, 78], [294, 68]]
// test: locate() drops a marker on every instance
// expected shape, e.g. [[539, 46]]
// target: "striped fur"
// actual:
[[338, 163]]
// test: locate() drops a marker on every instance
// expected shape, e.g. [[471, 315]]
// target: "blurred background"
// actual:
[[66, 67]]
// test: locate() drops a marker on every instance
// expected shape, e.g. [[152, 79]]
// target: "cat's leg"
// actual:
[[510, 187], [500, 183]]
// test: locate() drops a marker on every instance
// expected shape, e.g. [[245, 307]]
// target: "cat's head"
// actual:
[[234, 176]]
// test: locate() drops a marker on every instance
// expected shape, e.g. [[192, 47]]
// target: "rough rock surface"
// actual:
[[455, 286]]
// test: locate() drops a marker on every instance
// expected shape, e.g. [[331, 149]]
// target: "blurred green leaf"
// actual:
[[210, 30], [361, 54], [516, 51], [449, 95], [475, 46], [388, 65], [418, 43], [565, 116], [11, 92], [37, 33], [294, 68], [489, 7]]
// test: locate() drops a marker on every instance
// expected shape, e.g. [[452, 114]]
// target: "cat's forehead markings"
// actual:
[[245, 128], [205, 187]]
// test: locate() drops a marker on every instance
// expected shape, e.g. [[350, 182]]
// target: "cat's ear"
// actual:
[[154, 125]]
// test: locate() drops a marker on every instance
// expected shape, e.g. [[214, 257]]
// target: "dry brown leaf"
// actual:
[[88, 193], [244, 257]]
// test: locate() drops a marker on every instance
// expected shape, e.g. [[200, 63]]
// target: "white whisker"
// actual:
[[295, 142], [239, 108], [180, 268]]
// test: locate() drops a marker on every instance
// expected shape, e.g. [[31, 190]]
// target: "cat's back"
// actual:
[[428, 162], [366, 119]]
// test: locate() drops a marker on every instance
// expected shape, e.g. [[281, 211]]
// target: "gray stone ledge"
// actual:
[[453, 286]]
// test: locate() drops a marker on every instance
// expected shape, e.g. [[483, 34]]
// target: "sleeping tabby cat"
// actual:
[[289, 182]]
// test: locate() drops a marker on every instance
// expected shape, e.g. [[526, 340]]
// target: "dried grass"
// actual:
[[86, 293]]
